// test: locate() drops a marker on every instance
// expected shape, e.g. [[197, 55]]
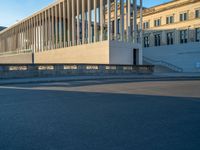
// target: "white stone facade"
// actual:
[[77, 31]]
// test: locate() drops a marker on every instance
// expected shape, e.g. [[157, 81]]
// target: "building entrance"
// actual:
[[135, 56]]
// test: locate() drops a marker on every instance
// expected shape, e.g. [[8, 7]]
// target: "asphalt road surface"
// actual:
[[101, 115]]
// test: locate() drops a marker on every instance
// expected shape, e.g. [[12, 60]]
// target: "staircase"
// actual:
[[162, 66]]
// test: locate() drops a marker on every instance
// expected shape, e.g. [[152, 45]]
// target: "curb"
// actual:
[[89, 78]]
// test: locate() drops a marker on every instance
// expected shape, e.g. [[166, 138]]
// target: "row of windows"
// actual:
[[170, 38], [170, 19]]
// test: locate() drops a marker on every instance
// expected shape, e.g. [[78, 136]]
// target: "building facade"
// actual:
[[102, 32], [171, 36], [175, 22], [76, 31]]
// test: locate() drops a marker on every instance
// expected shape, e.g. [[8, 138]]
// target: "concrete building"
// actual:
[[172, 35], [78, 32]]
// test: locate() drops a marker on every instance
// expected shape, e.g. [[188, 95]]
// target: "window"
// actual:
[[198, 34], [146, 25], [183, 17], [157, 40], [197, 13], [146, 41], [157, 22], [170, 38], [170, 20], [183, 36]]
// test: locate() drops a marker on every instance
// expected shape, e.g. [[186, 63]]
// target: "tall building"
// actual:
[[75, 31]]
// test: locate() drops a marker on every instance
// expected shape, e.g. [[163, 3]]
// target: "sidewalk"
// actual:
[[155, 76]]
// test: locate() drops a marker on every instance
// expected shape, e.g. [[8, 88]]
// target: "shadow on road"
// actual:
[[60, 120]]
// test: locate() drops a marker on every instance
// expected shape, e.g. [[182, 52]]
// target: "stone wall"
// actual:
[[56, 70]]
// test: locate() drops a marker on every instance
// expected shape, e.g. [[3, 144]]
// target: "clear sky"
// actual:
[[13, 10]]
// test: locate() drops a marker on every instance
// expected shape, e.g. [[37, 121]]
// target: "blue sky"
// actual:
[[13, 10]]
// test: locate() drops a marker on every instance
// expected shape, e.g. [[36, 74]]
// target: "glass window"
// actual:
[[183, 36], [198, 34], [197, 13], [183, 17], [170, 19], [157, 22], [146, 41], [170, 38], [146, 25], [157, 40]]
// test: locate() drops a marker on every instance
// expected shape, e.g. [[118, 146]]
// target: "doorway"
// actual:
[[135, 56]]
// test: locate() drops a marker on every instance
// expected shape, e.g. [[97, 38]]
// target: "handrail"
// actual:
[[164, 63]]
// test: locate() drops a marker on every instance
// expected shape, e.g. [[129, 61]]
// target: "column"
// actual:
[[78, 22], [108, 25], [141, 35], [22, 36], [135, 21], [122, 19], [89, 21], [101, 19], [64, 20], [141, 23], [53, 28], [126, 21], [56, 24], [42, 31], [49, 29], [38, 36], [68, 22], [83, 21], [95, 20], [25, 24], [46, 31], [60, 27], [34, 34], [116, 19], [39, 32], [29, 37], [129, 21], [73, 23]]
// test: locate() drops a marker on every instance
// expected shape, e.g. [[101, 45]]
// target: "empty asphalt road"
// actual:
[[101, 115]]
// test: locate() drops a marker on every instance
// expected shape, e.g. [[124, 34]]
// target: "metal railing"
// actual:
[[162, 63]]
